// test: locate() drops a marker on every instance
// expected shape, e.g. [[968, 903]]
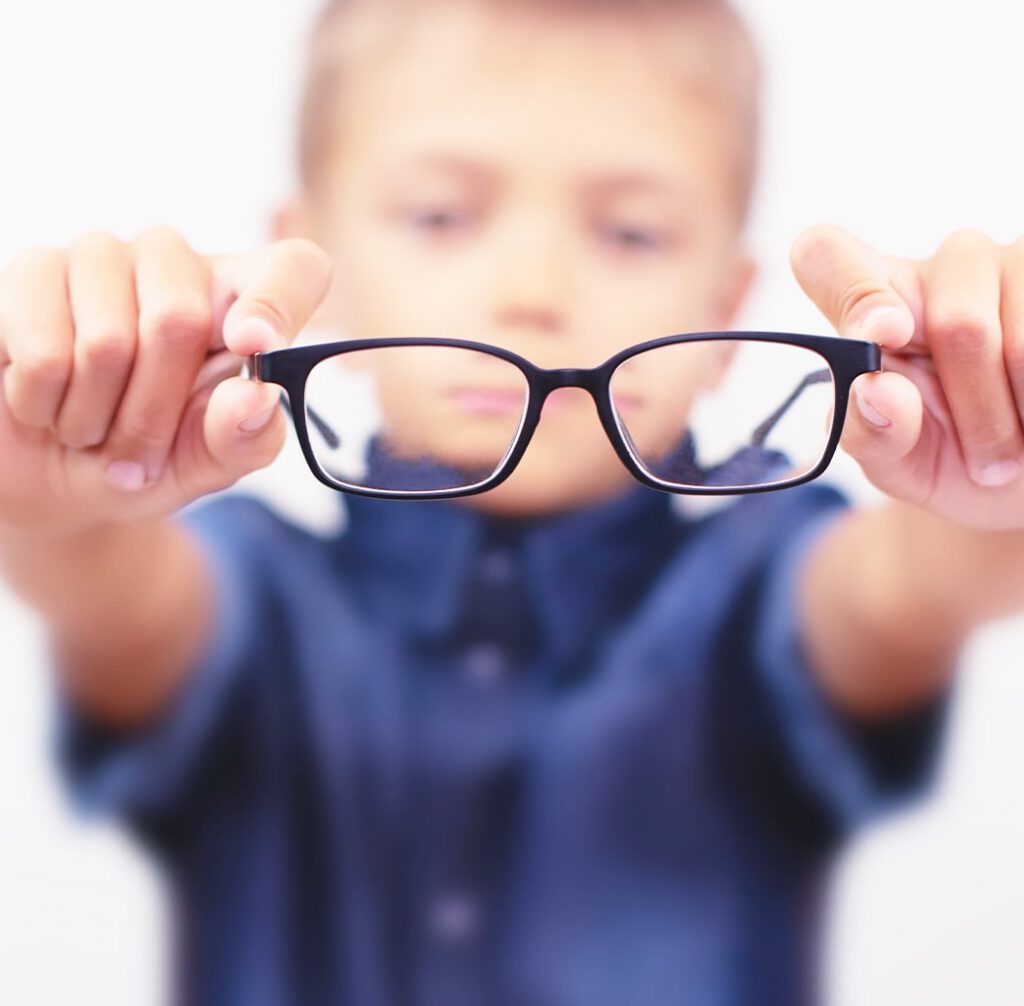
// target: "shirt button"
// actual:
[[497, 566], [484, 664], [455, 917]]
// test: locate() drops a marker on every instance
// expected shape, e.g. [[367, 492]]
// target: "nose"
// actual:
[[534, 286]]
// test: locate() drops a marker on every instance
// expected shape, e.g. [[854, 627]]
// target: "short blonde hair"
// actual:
[[716, 51]]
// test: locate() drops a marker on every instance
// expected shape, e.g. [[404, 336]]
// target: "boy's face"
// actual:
[[546, 184]]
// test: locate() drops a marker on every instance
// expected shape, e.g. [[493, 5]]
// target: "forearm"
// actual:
[[127, 608], [889, 597]]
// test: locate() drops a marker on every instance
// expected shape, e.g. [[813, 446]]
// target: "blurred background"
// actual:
[[898, 121]]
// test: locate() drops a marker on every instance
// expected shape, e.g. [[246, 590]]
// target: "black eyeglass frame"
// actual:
[[847, 359]]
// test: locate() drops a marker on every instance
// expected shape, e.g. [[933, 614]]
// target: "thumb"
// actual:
[[863, 294], [883, 425], [234, 429]]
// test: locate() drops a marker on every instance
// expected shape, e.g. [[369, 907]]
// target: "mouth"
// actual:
[[626, 404], [489, 401]]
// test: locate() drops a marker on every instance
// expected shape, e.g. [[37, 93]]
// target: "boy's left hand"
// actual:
[[941, 426]]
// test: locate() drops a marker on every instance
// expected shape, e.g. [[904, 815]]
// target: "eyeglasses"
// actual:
[[705, 413]]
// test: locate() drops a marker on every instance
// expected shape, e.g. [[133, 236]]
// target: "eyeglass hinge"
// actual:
[[252, 368]]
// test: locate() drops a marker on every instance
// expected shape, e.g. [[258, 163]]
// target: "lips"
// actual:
[[625, 404], [489, 401]]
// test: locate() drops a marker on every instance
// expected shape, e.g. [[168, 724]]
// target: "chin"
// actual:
[[524, 496]]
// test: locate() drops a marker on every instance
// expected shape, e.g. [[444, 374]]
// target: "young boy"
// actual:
[[552, 744]]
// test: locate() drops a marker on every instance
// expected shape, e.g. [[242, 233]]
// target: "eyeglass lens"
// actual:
[[729, 414], [414, 418]]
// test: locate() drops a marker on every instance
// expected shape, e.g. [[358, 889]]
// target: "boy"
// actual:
[[552, 744]]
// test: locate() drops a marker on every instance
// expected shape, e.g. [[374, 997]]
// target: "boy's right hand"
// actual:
[[115, 401]]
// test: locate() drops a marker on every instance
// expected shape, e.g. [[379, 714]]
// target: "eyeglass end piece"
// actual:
[[251, 369]]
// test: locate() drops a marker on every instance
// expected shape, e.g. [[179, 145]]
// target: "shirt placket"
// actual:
[[480, 716]]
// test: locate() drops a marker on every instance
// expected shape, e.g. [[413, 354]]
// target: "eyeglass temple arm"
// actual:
[[760, 434], [250, 370]]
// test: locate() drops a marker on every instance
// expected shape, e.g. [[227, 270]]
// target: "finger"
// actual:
[[863, 294], [964, 332], [883, 420], [175, 328], [273, 294], [38, 336], [1012, 318], [101, 289], [233, 429]]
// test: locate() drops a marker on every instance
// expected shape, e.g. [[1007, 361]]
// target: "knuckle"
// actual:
[[853, 295], [139, 435], [995, 440], [1016, 256], [90, 242], [1013, 356], [184, 326], [37, 258], [77, 435], [269, 310], [967, 240], [22, 405], [107, 350], [158, 234], [43, 371], [962, 332]]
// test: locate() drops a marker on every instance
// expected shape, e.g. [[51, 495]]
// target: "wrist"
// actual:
[[68, 574], [950, 576]]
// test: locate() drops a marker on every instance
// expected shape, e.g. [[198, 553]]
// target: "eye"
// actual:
[[436, 220], [636, 238]]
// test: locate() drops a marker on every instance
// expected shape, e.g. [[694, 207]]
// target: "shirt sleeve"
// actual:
[[141, 774], [856, 771]]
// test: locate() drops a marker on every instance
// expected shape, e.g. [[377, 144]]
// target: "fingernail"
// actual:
[[1000, 474], [869, 412], [875, 319], [257, 422], [126, 476], [257, 335]]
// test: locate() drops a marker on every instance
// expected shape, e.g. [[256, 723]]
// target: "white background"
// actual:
[[900, 121]]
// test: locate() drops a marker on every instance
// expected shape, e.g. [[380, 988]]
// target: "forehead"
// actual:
[[532, 89]]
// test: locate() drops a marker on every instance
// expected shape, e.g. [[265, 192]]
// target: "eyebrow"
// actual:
[[625, 181], [642, 182], [448, 163]]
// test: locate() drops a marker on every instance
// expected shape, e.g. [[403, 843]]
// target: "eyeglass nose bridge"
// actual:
[[589, 379]]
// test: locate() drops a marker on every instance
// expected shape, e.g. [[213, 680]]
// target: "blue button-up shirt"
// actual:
[[450, 759]]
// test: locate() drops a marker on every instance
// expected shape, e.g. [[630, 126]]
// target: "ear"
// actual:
[[292, 219]]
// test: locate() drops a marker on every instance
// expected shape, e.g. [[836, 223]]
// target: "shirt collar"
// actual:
[[412, 560]]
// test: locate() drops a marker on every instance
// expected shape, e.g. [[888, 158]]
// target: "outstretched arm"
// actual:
[[889, 595]]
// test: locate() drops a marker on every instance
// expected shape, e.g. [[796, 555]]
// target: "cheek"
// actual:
[[657, 395]]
